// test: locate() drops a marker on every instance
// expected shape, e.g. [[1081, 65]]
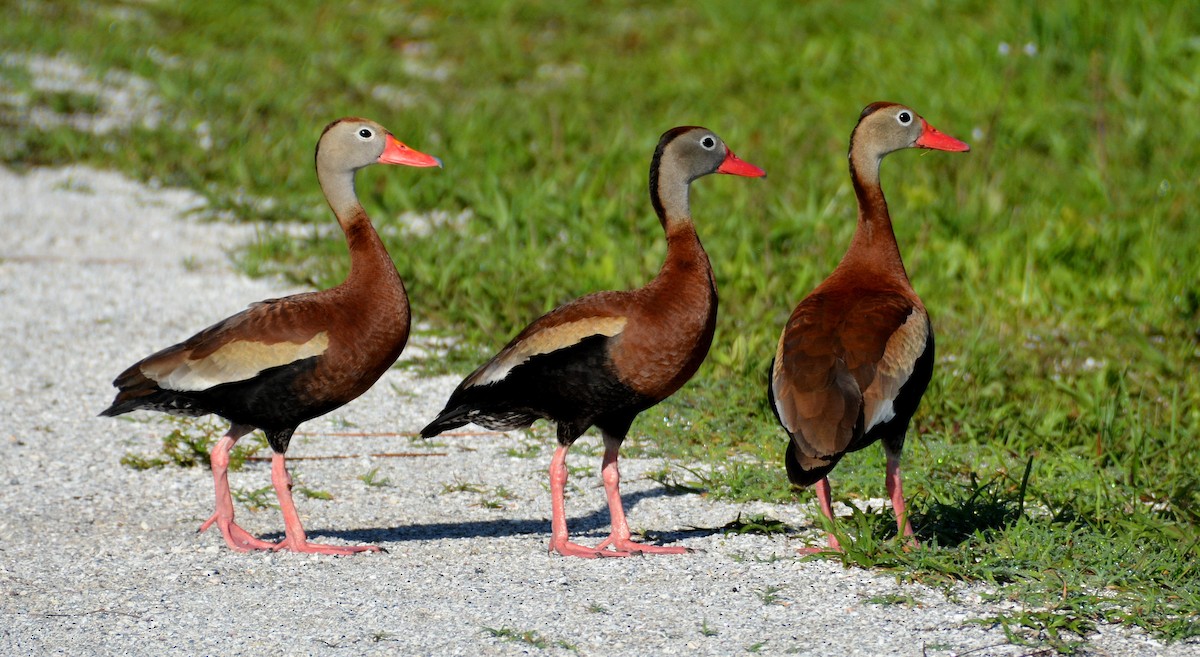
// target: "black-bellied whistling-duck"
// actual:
[[602, 359], [857, 353], [283, 361]]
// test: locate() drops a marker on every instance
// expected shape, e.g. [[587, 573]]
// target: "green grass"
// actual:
[[372, 479], [755, 524], [255, 499], [893, 599], [497, 498], [1057, 259], [770, 595], [189, 442], [530, 637]]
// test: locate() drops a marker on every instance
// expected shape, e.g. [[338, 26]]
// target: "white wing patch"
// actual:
[[885, 410], [900, 356], [544, 342], [237, 361]]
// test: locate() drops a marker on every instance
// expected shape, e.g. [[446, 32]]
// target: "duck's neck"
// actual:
[[669, 197], [685, 285], [369, 260], [669, 191], [686, 256], [873, 247]]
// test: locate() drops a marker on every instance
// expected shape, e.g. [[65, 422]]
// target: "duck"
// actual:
[[856, 355], [602, 359], [282, 362]]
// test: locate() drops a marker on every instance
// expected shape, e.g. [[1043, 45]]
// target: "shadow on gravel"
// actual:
[[591, 526]]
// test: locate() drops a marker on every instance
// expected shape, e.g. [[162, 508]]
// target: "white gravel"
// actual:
[[96, 558]]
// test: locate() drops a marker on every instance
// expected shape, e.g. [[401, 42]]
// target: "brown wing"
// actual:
[[268, 334], [595, 314], [563, 355], [833, 375]]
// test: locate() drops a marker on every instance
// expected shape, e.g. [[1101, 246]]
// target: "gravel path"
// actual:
[[97, 558]]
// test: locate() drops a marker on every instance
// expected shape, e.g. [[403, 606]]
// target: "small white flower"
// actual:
[[1003, 49], [1030, 49]]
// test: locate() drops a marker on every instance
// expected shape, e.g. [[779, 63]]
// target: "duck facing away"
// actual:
[[857, 353], [604, 358], [283, 361]]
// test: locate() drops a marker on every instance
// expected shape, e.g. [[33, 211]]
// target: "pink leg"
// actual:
[[620, 538], [824, 498], [895, 491], [237, 538], [559, 541], [296, 540]]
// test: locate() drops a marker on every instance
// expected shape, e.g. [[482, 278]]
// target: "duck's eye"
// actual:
[[904, 117], [708, 143], [365, 134]]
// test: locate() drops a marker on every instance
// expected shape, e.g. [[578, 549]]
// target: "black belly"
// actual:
[[576, 387]]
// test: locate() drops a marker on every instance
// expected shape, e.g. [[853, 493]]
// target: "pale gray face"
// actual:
[[891, 128], [696, 153], [351, 144]]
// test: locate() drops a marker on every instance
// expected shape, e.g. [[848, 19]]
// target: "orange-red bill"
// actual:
[[396, 152], [736, 166], [933, 138]]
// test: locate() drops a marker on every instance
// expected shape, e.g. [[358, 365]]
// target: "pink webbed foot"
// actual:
[[317, 548], [237, 538], [630, 546], [568, 549]]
